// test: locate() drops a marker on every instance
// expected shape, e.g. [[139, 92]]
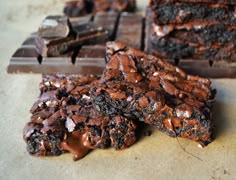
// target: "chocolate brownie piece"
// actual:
[[63, 119], [78, 8], [145, 88], [179, 13]]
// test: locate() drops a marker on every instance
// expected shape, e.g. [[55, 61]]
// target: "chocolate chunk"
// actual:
[[85, 34], [55, 26]]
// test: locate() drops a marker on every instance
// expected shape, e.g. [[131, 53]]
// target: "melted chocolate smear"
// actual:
[[77, 144]]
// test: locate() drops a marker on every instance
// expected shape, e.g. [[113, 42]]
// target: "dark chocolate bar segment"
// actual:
[[108, 21], [129, 30], [95, 51], [26, 59]]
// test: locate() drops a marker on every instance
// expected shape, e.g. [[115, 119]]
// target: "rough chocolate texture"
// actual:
[[178, 13], [145, 88], [201, 41], [63, 119], [229, 2], [78, 113]]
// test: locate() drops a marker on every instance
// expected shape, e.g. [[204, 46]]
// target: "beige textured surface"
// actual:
[[154, 157]]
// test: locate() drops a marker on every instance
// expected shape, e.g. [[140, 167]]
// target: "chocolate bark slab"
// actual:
[[63, 119], [146, 88]]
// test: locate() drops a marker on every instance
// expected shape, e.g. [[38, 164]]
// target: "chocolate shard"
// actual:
[[55, 26], [84, 34], [51, 47]]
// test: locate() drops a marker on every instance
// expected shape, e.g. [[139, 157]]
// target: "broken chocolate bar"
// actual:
[[55, 27], [145, 88], [84, 34]]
